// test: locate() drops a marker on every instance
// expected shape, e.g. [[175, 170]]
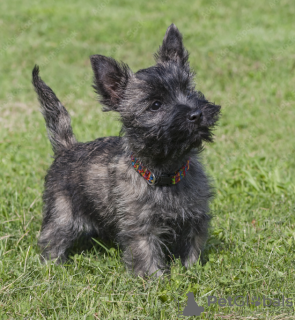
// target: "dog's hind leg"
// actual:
[[59, 229]]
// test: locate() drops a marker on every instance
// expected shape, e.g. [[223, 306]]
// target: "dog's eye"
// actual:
[[156, 106]]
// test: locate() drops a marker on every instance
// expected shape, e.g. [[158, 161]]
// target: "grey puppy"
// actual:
[[145, 190]]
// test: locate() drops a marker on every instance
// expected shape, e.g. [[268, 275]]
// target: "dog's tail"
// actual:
[[57, 119]]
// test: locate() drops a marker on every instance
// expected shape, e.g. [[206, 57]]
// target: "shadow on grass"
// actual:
[[214, 244], [93, 245]]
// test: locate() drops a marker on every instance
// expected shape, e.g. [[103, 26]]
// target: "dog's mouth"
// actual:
[[204, 133]]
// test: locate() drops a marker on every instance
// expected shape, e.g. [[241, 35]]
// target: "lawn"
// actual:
[[243, 53]]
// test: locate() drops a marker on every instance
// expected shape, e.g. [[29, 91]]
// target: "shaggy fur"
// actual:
[[92, 187]]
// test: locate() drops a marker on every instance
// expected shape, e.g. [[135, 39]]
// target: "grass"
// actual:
[[244, 57]]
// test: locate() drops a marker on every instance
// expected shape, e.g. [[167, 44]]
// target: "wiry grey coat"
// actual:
[[93, 188]]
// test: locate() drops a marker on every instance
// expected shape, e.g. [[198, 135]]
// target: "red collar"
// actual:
[[166, 179]]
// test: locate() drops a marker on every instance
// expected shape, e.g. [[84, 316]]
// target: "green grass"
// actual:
[[244, 56]]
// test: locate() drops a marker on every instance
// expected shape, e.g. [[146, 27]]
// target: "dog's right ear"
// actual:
[[172, 48], [110, 80]]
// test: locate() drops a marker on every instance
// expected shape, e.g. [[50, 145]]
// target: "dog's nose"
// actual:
[[195, 116]]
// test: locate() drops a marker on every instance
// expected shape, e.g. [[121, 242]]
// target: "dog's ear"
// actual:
[[110, 80], [172, 48]]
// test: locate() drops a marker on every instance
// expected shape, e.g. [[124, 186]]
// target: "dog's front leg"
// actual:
[[191, 244], [144, 256], [192, 250]]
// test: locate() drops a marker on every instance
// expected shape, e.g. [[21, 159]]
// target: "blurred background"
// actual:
[[244, 56]]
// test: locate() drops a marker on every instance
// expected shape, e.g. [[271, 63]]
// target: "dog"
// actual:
[[146, 189]]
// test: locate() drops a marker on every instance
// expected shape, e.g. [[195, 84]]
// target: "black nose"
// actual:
[[195, 116]]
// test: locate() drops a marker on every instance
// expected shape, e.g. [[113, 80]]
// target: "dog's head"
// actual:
[[161, 112]]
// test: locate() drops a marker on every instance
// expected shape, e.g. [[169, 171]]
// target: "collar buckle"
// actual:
[[154, 180]]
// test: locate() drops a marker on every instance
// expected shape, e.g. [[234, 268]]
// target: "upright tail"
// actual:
[[57, 119]]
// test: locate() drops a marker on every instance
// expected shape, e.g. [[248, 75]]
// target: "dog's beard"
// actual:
[[160, 144]]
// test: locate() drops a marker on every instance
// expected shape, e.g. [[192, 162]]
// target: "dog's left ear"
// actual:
[[172, 48], [110, 80]]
